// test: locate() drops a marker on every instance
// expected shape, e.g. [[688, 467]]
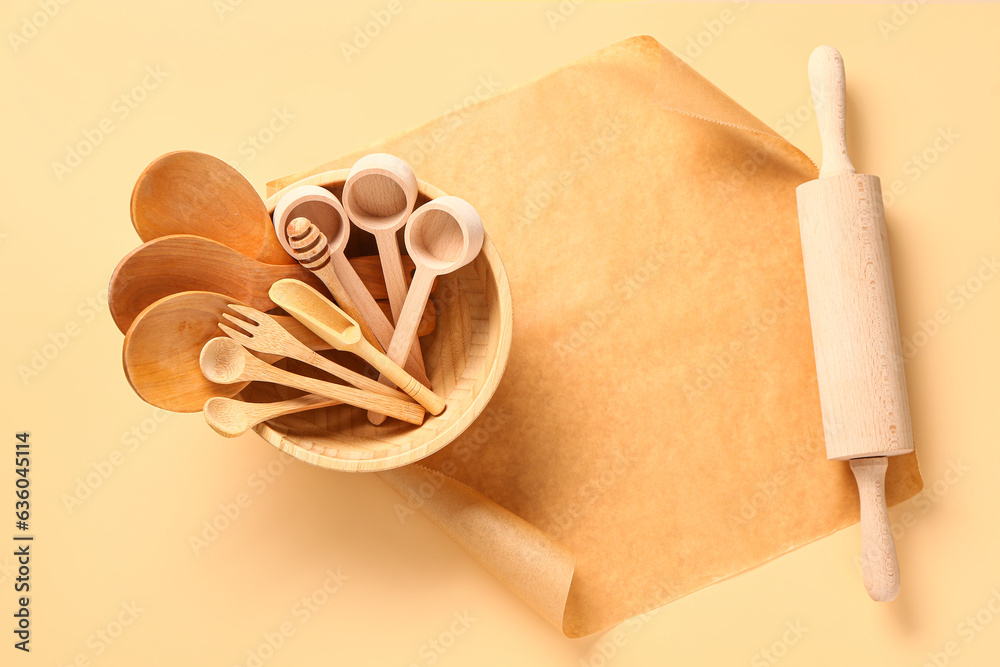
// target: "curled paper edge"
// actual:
[[535, 567]]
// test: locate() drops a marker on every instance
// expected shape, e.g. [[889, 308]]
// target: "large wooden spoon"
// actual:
[[161, 349], [183, 263], [186, 192]]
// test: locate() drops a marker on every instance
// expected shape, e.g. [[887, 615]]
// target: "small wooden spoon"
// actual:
[[161, 349], [231, 418], [334, 326], [186, 192], [184, 263], [225, 361]]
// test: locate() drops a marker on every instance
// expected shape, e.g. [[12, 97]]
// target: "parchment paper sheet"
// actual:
[[658, 428]]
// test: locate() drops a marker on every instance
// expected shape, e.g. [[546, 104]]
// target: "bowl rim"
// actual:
[[446, 435]]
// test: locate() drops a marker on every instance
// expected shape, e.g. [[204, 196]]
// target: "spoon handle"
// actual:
[[393, 407], [372, 314], [409, 319], [395, 282], [406, 335], [231, 417], [347, 375]]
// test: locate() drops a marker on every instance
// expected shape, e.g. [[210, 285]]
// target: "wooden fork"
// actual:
[[263, 334]]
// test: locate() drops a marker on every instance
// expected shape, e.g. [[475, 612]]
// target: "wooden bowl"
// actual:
[[465, 357]]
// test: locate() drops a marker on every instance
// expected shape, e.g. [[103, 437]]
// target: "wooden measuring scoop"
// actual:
[[441, 236]]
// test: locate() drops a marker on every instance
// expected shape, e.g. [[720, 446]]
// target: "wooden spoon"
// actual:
[[231, 418], [441, 236], [225, 361], [183, 263], [161, 349], [186, 192]]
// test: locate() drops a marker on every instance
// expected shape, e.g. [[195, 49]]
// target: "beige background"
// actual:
[[278, 72]]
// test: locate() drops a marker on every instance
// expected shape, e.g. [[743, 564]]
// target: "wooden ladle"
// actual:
[[184, 262], [379, 196], [441, 236], [225, 361], [186, 192]]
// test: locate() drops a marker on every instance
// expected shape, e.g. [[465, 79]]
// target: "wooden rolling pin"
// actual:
[[859, 360]]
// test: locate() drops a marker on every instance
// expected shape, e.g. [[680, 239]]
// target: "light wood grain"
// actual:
[[829, 92], [879, 566], [337, 328], [231, 418], [852, 309], [224, 361], [379, 196], [185, 263], [260, 332], [441, 236], [186, 192], [161, 349], [313, 252]]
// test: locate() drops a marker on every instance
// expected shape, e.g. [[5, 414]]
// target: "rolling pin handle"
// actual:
[[829, 91], [879, 566]]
